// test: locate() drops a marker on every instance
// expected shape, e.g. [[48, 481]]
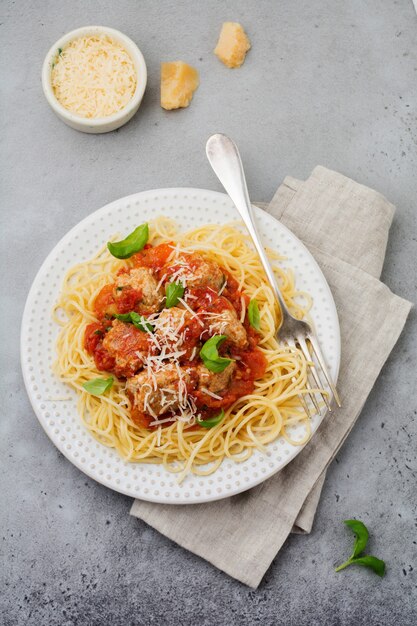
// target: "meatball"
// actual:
[[128, 346], [165, 391], [205, 274], [170, 324], [139, 290], [226, 323], [193, 271], [216, 383]]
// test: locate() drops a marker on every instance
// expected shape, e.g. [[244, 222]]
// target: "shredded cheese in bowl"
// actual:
[[93, 76]]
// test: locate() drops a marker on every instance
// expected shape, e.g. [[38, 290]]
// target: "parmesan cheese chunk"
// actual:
[[178, 83], [93, 76], [233, 45]]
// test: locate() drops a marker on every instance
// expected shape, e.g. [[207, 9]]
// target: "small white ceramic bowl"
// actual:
[[97, 124]]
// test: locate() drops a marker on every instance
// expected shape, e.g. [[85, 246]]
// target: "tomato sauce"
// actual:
[[104, 304], [153, 257], [141, 419], [207, 298], [234, 294], [93, 343], [250, 365], [93, 335], [250, 361], [192, 332], [128, 300]]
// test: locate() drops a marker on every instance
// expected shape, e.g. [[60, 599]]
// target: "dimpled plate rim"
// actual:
[[55, 404]]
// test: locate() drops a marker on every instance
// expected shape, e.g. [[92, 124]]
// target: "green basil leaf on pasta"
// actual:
[[173, 292], [210, 356], [98, 386], [140, 322], [123, 317], [132, 244], [212, 421], [253, 314], [210, 348], [137, 320]]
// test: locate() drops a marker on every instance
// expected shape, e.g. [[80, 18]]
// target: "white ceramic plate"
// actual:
[[55, 404]]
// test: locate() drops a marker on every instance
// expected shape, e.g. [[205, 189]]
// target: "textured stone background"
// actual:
[[330, 82]]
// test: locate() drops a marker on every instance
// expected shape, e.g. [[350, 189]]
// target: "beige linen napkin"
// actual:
[[345, 225]]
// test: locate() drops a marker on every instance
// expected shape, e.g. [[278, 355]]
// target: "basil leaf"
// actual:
[[212, 421], [210, 348], [97, 386], [123, 317], [377, 565], [137, 320], [132, 244], [216, 366], [140, 322], [173, 292], [361, 533], [59, 51], [253, 314], [210, 355], [98, 332]]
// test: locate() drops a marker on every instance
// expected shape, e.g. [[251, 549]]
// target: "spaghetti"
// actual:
[[192, 441]]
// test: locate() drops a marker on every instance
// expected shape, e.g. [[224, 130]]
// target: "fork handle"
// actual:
[[225, 160]]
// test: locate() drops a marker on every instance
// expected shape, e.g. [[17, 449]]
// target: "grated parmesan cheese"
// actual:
[[210, 393], [192, 313], [94, 76], [222, 288]]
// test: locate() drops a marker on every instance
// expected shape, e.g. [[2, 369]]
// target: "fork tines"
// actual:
[[315, 373]]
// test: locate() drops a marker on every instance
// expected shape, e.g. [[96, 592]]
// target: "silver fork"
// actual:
[[225, 160]]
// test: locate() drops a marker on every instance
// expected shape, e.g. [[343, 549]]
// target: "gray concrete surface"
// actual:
[[330, 82]]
